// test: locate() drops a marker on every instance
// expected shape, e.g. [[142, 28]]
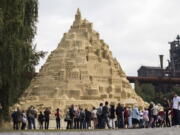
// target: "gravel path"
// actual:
[[154, 131]]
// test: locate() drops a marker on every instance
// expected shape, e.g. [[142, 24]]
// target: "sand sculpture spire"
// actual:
[[80, 71], [78, 16]]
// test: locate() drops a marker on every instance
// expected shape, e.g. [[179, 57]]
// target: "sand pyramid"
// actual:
[[80, 71]]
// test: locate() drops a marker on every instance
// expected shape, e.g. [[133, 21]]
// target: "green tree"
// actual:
[[18, 56], [146, 91]]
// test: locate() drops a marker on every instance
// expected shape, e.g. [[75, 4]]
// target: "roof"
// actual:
[[150, 67]]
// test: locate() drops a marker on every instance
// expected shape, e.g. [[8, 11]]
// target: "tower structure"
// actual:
[[174, 64]]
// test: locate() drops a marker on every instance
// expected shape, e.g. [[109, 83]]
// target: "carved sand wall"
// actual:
[[80, 71]]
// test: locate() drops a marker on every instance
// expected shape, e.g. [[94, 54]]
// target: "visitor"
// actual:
[[112, 112], [166, 105], [88, 118], [76, 118], [47, 113], [68, 119], [176, 109], [94, 117], [41, 119], [105, 114], [24, 120], [155, 114], [145, 117], [150, 113], [135, 117], [120, 115], [126, 115], [82, 118], [71, 114], [58, 118], [141, 119], [34, 116], [129, 117], [15, 120], [29, 117], [99, 116]]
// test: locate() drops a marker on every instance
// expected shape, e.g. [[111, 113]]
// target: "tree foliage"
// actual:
[[18, 56], [146, 91], [149, 92]]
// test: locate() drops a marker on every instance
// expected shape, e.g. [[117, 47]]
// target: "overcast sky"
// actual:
[[137, 31]]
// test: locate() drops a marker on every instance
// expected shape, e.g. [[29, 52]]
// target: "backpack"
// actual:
[[67, 118]]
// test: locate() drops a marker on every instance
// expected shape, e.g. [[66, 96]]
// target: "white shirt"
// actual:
[[176, 102], [155, 110]]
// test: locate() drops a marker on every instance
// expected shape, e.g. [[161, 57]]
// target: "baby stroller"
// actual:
[[161, 119]]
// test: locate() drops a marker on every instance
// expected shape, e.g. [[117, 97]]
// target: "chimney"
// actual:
[[161, 61]]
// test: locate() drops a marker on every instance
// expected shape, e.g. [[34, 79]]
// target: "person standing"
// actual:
[[155, 114], [82, 118], [135, 117], [76, 118], [47, 113], [129, 117], [68, 119], [150, 113], [41, 120], [72, 114], [166, 105], [24, 120], [58, 118], [34, 116], [99, 116], [176, 109], [29, 117], [105, 114], [112, 116], [126, 115], [120, 115], [94, 117], [14, 117], [146, 117], [88, 118]]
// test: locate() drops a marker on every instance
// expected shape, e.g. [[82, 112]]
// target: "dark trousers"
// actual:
[[99, 118], [105, 122], [33, 123], [88, 124], [29, 123], [15, 125], [58, 123], [40, 124], [23, 126], [68, 124], [72, 123], [154, 124], [82, 124], [46, 123], [76, 123], [176, 116], [120, 122], [168, 124]]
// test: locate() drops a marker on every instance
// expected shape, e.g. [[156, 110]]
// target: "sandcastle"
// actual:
[[80, 71]]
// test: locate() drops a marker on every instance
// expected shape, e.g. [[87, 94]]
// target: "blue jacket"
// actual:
[[135, 113]]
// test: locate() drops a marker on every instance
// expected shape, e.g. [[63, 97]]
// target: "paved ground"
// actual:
[[155, 131]]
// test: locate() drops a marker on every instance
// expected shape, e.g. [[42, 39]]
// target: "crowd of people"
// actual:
[[105, 116]]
